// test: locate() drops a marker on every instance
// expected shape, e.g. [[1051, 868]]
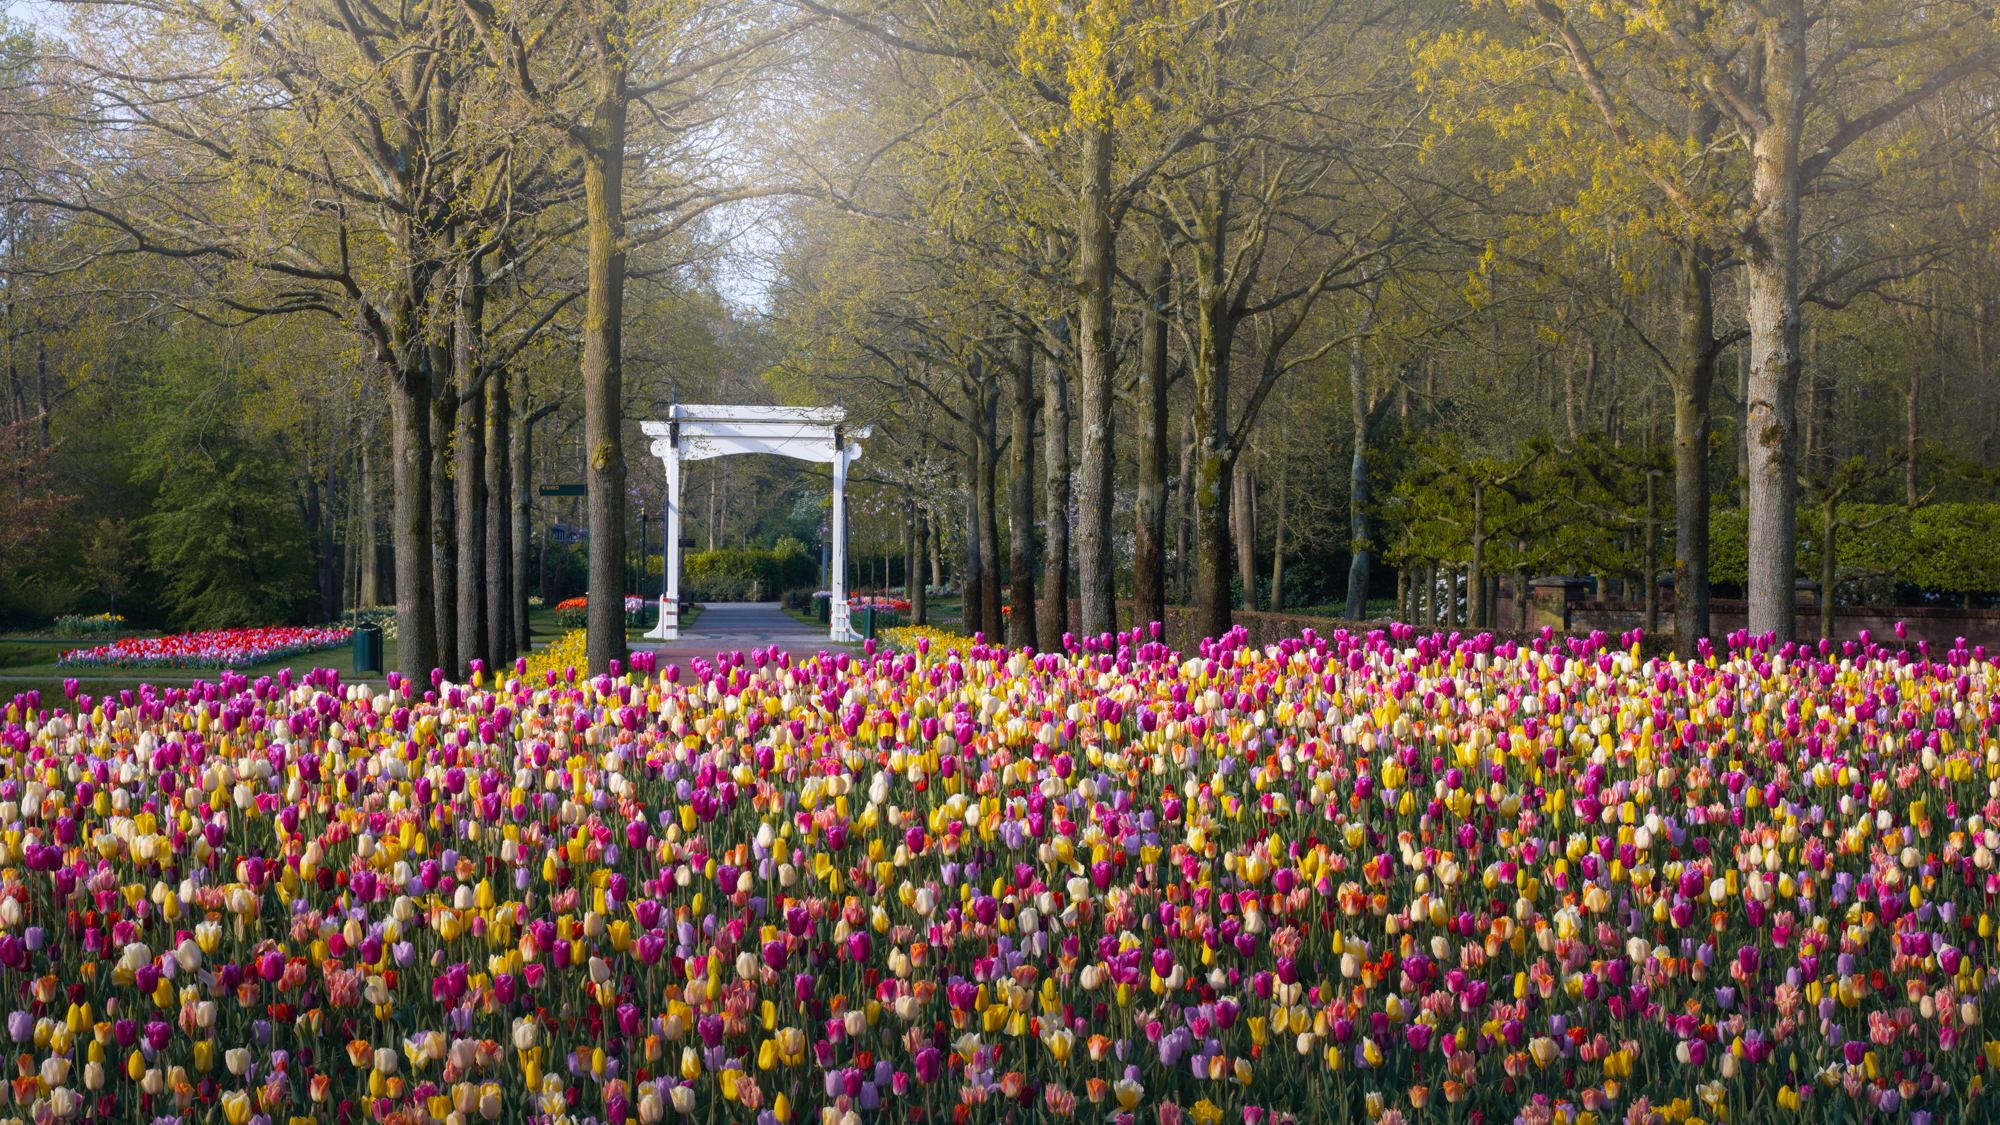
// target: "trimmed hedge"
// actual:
[[1945, 548]]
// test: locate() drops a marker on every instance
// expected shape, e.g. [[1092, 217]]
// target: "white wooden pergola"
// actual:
[[696, 433]]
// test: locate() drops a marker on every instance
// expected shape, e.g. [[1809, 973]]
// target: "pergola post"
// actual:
[[694, 433], [668, 628], [838, 587]]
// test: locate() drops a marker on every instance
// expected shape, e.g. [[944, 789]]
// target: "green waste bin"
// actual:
[[825, 606], [867, 629], [367, 649]]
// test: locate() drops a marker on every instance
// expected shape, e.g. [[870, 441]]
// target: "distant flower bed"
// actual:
[[215, 648], [570, 612], [897, 604], [383, 617], [80, 626]]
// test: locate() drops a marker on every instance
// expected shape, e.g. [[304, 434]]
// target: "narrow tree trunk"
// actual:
[[603, 153], [316, 522], [1184, 514], [367, 555], [470, 442], [1357, 477], [410, 449], [1694, 381], [1021, 497], [1743, 426], [1829, 567], [1278, 542], [1094, 476], [919, 595], [444, 552], [910, 580], [522, 454], [1149, 539], [501, 645], [990, 618], [1403, 595], [1652, 575], [1476, 570], [972, 583], [1772, 267], [1053, 613], [1243, 522], [1523, 592], [1910, 437]]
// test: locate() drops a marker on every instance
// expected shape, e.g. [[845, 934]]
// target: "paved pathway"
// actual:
[[742, 626]]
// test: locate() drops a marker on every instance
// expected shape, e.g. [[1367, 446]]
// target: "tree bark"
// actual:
[[990, 618], [1772, 266], [1243, 521], [1475, 583], [602, 148], [1095, 474], [1694, 382], [919, 594], [368, 558], [1652, 575], [500, 646], [522, 454], [1215, 461], [1829, 565], [1184, 516], [1278, 543], [1021, 497], [1357, 478], [410, 448], [1149, 540], [444, 552], [1053, 613], [470, 474], [1910, 436], [972, 583]]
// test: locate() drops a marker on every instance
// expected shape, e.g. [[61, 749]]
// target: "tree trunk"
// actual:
[[367, 555], [500, 646], [1053, 613], [1094, 476], [1910, 437], [1652, 575], [1743, 426], [1694, 381], [1149, 538], [1021, 497], [1184, 514], [470, 474], [444, 552], [410, 447], [603, 159], [1357, 478], [522, 478], [1523, 592], [1476, 571], [1243, 522], [972, 583], [909, 547], [1829, 567], [919, 595], [1772, 266], [1278, 542], [990, 618]]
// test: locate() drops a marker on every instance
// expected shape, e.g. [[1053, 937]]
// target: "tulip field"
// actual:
[[1390, 878]]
